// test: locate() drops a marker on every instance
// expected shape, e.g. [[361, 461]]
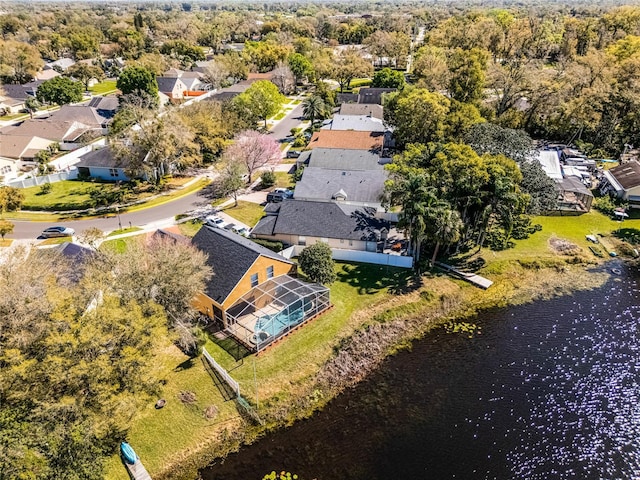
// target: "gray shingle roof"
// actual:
[[341, 159], [364, 186], [627, 174], [371, 110], [101, 158], [359, 123], [323, 220], [373, 95], [230, 257], [167, 84]]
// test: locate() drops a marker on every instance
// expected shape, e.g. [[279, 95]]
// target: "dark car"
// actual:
[[58, 231], [275, 197], [293, 153]]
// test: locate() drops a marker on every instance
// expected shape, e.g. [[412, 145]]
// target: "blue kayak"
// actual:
[[128, 454]]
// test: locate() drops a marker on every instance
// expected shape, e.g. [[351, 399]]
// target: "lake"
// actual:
[[549, 390]]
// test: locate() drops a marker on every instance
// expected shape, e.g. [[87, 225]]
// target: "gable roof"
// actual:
[[105, 106], [322, 220], [101, 158], [17, 146], [167, 84], [373, 95], [627, 174], [84, 114], [230, 255], [364, 186], [372, 141], [48, 128], [370, 110], [342, 159], [359, 123]]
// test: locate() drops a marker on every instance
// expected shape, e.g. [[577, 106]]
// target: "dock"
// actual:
[[477, 280], [137, 471]]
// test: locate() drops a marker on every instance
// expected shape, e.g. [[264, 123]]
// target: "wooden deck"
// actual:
[[137, 471], [477, 280]]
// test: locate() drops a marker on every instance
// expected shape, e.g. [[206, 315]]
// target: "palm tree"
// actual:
[[446, 226], [313, 107]]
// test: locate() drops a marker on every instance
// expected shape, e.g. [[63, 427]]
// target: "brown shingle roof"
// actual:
[[347, 139], [627, 174]]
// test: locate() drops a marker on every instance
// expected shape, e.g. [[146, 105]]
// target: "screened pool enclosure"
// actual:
[[274, 308]]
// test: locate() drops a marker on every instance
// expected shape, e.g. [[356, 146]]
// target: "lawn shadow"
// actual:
[[631, 235], [370, 279], [186, 365], [223, 387]]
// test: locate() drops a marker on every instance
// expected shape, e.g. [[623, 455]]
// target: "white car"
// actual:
[[215, 221]]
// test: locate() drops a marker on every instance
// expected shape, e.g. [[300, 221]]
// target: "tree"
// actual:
[[313, 108], [230, 181], [184, 52], [496, 140], [11, 199], [60, 90], [317, 263], [265, 55], [253, 150], [467, 67], [350, 65], [300, 66], [419, 116], [283, 79], [430, 68], [260, 101], [19, 61], [137, 80], [5, 227], [216, 73], [85, 73], [157, 147], [446, 228], [387, 78]]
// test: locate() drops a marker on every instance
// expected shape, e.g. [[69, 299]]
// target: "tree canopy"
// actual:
[[260, 101], [60, 90], [317, 263], [137, 80]]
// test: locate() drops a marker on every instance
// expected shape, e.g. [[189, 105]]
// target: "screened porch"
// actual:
[[274, 308]]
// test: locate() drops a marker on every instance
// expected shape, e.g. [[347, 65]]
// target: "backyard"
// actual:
[[246, 212]]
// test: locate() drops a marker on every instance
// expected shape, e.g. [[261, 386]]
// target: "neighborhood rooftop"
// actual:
[[627, 174], [372, 141], [342, 159], [371, 110], [364, 186], [230, 255], [323, 220]]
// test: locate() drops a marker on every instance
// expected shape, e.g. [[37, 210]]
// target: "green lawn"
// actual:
[[284, 180], [65, 195], [573, 229], [104, 88], [190, 228], [246, 212], [360, 82], [55, 241], [159, 435], [124, 230]]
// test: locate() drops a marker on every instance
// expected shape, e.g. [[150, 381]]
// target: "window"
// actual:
[[302, 241], [113, 172], [270, 271], [254, 280]]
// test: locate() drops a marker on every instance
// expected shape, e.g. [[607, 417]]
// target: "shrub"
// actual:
[[317, 263], [268, 178], [274, 246], [604, 205], [45, 188]]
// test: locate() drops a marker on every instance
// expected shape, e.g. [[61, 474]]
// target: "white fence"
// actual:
[[235, 386], [71, 158], [357, 256], [51, 178]]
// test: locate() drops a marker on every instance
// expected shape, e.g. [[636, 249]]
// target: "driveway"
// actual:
[[282, 129]]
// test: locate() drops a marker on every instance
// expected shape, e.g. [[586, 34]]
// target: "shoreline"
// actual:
[[386, 331]]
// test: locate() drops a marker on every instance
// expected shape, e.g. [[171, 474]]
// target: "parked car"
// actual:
[[284, 191], [232, 227], [215, 221], [293, 153], [58, 231], [244, 231], [275, 197]]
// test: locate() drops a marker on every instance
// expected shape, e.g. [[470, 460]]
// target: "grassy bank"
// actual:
[[377, 311]]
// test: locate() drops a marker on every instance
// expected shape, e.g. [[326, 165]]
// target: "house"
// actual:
[[366, 95], [13, 98], [172, 87], [105, 107], [345, 139], [624, 182], [353, 187], [342, 159], [342, 226], [60, 65], [192, 80], [358, 123], [102, 164], [17, 152], [252, 293], [369, 110], [64, 126], [45, 75]]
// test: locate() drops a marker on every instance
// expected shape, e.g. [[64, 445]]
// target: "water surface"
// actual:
[[548, 390]]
